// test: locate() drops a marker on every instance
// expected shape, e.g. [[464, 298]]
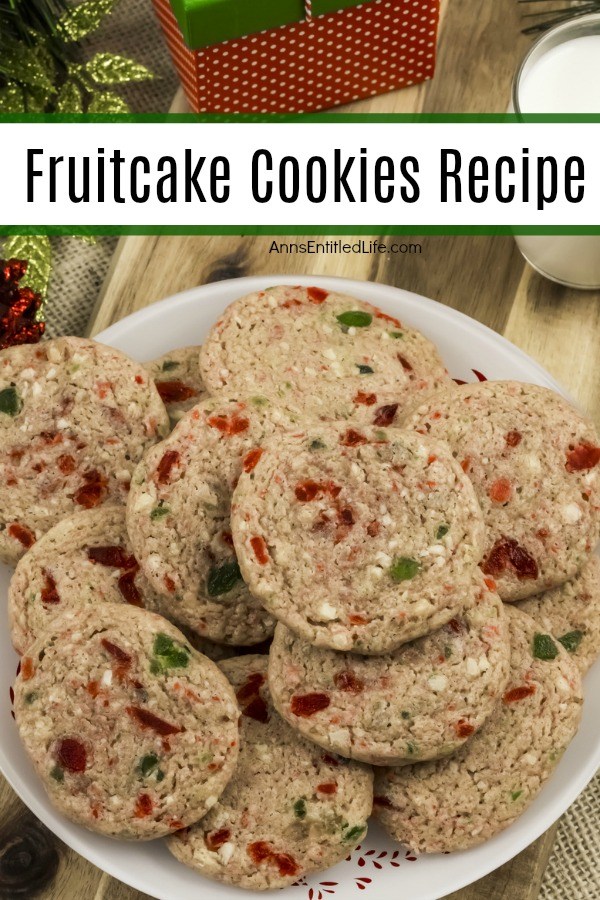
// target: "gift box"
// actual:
[[260, 56]]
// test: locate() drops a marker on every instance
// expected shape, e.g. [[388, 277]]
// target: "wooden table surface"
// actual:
[[484, 277]]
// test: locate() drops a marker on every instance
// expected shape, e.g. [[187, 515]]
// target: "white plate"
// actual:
[[378, 869]]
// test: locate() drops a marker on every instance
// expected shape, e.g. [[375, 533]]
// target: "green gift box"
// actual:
[[207, 22]]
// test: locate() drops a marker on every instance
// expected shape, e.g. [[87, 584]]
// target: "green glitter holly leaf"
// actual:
[[109, 68], [69, 99], [84, 19], [106, 102], [36, 249], [12, 99], [23, 64]]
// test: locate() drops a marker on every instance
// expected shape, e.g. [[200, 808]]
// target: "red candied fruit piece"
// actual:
[[583, 456], [348, 682], [404, 363], [163, 470], [352, 438], [256, 709], [365, 399], [129, 590], [317, 295], [252, 704], [464, 729], [500, 490], [169, 584], [229, 424], [306, 705], [373, 529], [386, 318], [116, 652], [175, 391], [307, 491], [357, 619], [71, 755], [112, 556], [330, 787], [513, 438], [385, 414], [93, 492], [23, 535], [26, 669], [49, 594], [216, 839], [66, 464], [456, 626], [330, 760], [260, 550], [346, 516], [251, 459], [251, 687], [384, 802], [260, 851], [146, 719], [143, 806], [508, 554], [519, 693]]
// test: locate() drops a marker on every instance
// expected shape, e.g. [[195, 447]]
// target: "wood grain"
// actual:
[[485, 277]]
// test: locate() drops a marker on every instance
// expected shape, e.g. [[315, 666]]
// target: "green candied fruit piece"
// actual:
[[364, 370], [514, 795], [316, 445], [300, 808], [354, 833], [160, 775], [57, 774], [169, 365], [447, 651], [148, 764], [404, 568], [160, 511], [382, 436], [442, 532], [412, 749], [544, 647], [405, 714], [259, 401], [10, 402], [222, 579], [571, 640], [397, 334], [168, 654], [355, 318], [30, 697]]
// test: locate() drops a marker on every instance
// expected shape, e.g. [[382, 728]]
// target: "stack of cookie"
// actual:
[[328, 483]]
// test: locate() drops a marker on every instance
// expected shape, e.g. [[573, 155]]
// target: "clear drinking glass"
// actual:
[[560, 76]]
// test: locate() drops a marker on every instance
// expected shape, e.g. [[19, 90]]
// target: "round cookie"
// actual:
[[289, 810], [75, 419], [178, 380], [178, 517], [464, 800], [358, 539], [421, 702], [84, 560], [132, 732], [327, 354], [571, 612], [534, 463]]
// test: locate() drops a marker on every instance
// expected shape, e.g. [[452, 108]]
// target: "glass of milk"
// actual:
[[561, 74]]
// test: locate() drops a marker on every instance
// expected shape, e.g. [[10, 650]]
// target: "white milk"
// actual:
[[566, 79]]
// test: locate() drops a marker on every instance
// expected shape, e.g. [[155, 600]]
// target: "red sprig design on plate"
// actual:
[[479, 376], [362, 883]]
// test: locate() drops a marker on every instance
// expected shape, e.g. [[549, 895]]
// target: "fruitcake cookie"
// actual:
[[535, 464], [330, 355], [132, 732], [571, 612], [421, 702], [75, 419], [456, 803], [289, 810], [178, 380], [358, 539], [84, 560], [178, 517]]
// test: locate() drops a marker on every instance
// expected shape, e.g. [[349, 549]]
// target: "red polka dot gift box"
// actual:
[[291, 56]]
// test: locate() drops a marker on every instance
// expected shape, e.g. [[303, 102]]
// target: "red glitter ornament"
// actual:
[[18, 307]]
